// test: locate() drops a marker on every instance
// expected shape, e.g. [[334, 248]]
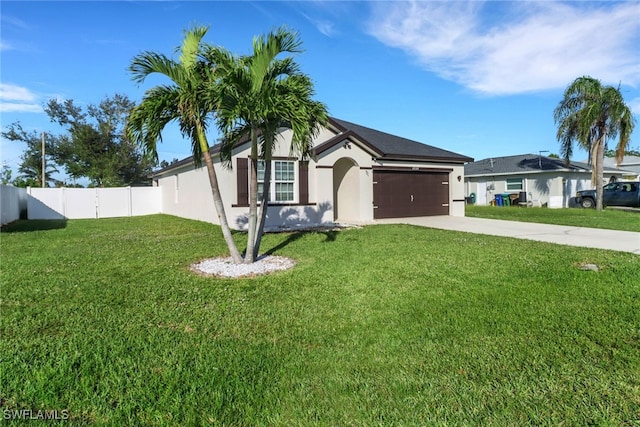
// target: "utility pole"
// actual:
[[43, 162]]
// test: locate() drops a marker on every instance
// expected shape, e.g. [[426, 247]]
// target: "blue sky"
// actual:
[[480, 78]]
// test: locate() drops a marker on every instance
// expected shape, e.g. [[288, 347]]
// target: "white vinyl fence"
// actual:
[[13, 203], [83, 203]]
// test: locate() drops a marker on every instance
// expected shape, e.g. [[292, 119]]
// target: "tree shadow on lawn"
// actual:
[[330, 236], [26, 225]]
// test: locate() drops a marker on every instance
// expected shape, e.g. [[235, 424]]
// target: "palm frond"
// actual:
[[148, 63], [191, 47], [147, 120]]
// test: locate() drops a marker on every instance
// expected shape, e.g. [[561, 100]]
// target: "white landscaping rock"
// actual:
[[225, 267]]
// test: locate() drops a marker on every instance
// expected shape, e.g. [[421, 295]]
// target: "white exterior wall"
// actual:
[[361, 181], [13, 201], [543, 189], [186, 192]]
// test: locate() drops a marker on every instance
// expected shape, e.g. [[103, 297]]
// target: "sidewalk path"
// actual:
[[625, 241]]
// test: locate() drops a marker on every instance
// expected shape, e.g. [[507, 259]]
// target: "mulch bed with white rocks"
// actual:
[[225, 267]]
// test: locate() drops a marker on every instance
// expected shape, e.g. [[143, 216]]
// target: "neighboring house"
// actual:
[[628, 163], [354, 175], [546, 181]]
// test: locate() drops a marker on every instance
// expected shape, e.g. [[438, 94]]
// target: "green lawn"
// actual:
[[609, 218], [384, 325]]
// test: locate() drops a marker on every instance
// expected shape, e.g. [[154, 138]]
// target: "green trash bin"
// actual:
[[506, 200]]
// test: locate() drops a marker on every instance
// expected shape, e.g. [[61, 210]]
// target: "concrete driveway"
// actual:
[[625, 241]]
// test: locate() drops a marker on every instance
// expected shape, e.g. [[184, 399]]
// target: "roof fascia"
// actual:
[[538, 172], [435, 159]]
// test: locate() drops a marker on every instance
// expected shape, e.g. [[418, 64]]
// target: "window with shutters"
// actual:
[[283, 181]]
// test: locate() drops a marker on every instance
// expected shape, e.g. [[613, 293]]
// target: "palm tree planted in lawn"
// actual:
[[256, 96], [591, 114], [187, 101]]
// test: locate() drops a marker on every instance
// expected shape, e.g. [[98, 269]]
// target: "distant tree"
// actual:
[[165, 164], [96, 146], [30, 169], [590, 114], [554, 156], [5, 175], [627, 152]]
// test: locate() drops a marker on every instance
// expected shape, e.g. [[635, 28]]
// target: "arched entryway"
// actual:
[[346, 190]]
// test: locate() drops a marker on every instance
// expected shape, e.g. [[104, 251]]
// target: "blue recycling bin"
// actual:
[[499, 201]]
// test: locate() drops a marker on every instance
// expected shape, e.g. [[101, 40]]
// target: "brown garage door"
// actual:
[[401, 194]]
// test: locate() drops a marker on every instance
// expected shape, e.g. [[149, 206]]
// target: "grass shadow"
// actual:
[[24, 225]]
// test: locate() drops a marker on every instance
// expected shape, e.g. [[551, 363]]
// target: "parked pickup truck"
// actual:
[[615, 194]]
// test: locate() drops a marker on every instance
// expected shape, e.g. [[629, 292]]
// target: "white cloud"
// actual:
[[499, 48], [15, 98], [13, 107], [9, 92], [324, 26]]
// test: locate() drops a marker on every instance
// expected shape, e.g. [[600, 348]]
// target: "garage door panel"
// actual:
[[399, 194]]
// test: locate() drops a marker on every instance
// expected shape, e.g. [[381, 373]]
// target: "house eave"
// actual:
[[433, 159], [537, 172]]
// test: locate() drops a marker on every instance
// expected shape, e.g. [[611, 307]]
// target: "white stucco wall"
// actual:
[[186, 191]]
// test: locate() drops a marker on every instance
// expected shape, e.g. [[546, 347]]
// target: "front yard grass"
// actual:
[[609, 218], [384, 325]]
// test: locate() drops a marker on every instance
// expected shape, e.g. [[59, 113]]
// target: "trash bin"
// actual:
[[506, 201], [522, 198], [473, 198], [498, 199]]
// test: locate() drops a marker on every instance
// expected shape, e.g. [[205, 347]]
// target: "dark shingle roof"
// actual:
[[520, 164], [393, 147], [384, 145]]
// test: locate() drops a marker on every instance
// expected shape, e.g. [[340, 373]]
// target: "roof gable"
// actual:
[[388, 146]]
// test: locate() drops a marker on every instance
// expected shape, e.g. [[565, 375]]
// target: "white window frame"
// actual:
[[274, 182], [513, 182]]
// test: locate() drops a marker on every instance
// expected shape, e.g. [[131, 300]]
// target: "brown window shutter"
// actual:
[[303, 174], [242, 176]]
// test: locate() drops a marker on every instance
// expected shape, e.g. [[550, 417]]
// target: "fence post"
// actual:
[[130, 210]]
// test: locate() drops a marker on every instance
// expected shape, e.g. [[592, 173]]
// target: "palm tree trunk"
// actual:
[[264, 203], [253, 199], [217, 199], [599, 166]]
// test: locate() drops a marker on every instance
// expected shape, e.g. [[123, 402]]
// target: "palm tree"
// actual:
[[591, 114], [185, 100], [256, 96]]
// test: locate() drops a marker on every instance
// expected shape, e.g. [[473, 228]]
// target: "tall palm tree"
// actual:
[[591, 114], [256, 96], [185, 100]]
